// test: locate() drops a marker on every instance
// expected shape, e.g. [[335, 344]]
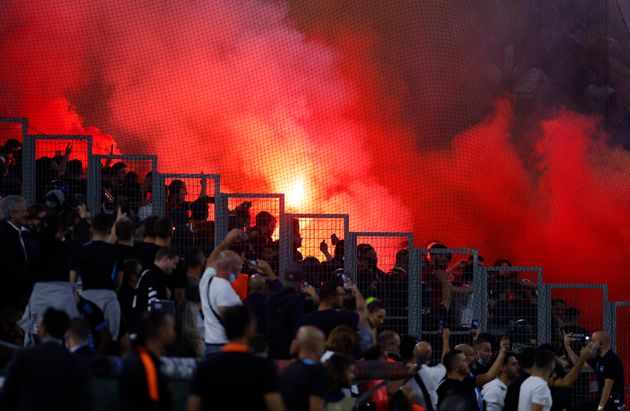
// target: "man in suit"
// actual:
[[46, 376], [13, 213]]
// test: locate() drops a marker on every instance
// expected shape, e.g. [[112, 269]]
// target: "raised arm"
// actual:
[[567, 346], [232, 236], [493, 372], [361, 304], [569, 379], [323, 247], [446, 335], [445, 287]]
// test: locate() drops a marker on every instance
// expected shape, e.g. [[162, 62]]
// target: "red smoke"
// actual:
[[233, 88]]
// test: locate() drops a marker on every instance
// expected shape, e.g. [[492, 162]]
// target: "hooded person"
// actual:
[[285, 311]]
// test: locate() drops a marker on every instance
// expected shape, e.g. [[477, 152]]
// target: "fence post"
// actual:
[[543, 334], [286, 231], [94, 185], [608, 324], [480, 290], [28, 168], [350, 256], [220, 218], [612, 306], [415, 292]]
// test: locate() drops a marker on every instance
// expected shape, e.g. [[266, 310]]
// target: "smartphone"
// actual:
[[442, 324], [347, 282], [253, 264], [474, 326]]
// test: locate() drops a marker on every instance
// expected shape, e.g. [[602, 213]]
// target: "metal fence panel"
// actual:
[[563, 298], [56, 161], [124, 177], [11, 175], [306, 235], [184, 199], [515, 306], [239, 210], [382, 268], [461, 265], [620, 312]]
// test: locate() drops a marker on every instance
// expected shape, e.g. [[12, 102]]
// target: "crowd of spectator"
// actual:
[[79, 287]]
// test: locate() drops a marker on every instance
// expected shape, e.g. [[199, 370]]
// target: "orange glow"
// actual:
[[295, 194]]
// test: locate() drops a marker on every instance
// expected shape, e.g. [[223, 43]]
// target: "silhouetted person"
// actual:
[[46, 376], [13, 256], [142, 384], [304, 383], [234, 378]]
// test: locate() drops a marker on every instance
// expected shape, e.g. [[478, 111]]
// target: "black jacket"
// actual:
[[13, 260], [45, 377]]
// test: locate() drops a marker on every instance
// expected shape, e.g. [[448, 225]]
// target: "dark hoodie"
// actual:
[[285, 310]]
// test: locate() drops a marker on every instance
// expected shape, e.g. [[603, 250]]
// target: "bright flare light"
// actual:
[[295, 194]]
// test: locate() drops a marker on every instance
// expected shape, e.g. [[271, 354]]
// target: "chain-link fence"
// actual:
[[189, 201], [12, 132], [564, 318], [318, 242], [126, 181], [453, 290], [261, 216], [620, 312], [56, 162], [513, 304], [384, 266]]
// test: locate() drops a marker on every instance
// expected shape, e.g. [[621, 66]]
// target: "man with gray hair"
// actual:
[[216, 291], [13, 255]]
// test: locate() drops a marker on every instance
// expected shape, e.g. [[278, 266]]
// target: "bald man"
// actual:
[[304, 383], [609, 371], [257, 297], [216, 292], [425, 382]]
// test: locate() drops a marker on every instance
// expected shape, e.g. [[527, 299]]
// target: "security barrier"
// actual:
[[504, 300], [318, 241], [384, 265], [513, 304], [189, 201], [241, 210], [125, 180]]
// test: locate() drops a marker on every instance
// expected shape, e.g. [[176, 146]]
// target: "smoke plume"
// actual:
[[405, 116]]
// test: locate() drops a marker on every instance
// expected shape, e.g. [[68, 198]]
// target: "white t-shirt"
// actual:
[[534, 390], [221, 294], [493, 394], [432, 377]]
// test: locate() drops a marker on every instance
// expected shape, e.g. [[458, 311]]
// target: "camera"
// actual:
[[251, 265]]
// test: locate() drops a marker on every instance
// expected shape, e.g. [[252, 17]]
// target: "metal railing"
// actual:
[[133, 163], [196, 224], [239, 210], [385, 265], [312, 230], [38, 146]]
